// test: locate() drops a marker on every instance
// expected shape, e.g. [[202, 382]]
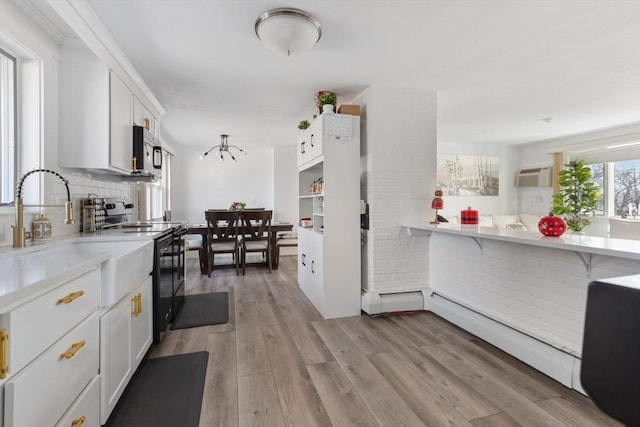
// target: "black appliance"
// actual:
[[168, 280], [147, 152], [168, 259], [610, 372]]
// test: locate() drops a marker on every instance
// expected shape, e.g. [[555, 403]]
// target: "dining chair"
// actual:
[[255, 235], [222, 236]]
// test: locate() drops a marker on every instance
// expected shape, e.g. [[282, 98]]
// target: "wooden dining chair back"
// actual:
[[256, 234], [222, 236]]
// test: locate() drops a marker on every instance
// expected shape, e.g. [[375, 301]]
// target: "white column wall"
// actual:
[[398, 159]]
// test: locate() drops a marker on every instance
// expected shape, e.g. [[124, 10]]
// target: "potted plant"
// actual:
[[326, 98], [237, 206], [578, 197], [303, 124]]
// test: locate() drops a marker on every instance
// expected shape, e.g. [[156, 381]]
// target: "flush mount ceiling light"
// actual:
[[224, 147], [288, 30]]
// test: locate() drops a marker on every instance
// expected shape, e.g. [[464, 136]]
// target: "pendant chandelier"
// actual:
[[224, 147]]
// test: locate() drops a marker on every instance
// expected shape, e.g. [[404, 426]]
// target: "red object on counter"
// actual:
[[551, 225], [469, 216]]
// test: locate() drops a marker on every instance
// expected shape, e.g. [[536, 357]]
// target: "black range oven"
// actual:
[[168, 280], [168, 259]]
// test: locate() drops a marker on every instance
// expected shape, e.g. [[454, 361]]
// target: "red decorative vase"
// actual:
[[552, 225], [469, 216]]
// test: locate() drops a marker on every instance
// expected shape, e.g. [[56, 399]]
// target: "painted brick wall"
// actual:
[[538, 291], [398, 147]]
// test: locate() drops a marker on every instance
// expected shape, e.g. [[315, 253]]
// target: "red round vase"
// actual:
[[552, 225]]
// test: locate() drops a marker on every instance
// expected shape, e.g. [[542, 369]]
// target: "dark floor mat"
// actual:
[[164, 392], [203, 309]]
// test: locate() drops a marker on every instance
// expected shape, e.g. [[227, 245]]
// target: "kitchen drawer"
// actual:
[[43, 391], [86, 408], [37, 324]]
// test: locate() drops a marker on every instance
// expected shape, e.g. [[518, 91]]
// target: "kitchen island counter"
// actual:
[[521, 291]]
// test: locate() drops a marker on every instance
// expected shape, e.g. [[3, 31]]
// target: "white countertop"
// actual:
[[621, 248], [34, 270]]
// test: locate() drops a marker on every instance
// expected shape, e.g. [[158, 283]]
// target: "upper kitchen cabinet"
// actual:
[[143, 117], [96, 115]]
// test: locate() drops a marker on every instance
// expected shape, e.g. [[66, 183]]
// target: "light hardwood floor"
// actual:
[[277, 362]]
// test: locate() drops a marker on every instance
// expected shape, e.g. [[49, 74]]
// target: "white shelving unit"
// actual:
[[329, 250]]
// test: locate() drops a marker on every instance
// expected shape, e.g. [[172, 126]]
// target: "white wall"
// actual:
[[285, 172], [199, 185], [506, 201], [19, 30]]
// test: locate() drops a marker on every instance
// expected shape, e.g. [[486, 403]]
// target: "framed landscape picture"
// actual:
[[468, 175]]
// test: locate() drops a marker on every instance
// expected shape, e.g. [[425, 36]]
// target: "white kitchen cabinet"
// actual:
[[125, 337], [143, 117], [310, 143], [40, 383], [329, 250], [96, 115], [41, 393], [85, 411], [141, 322]]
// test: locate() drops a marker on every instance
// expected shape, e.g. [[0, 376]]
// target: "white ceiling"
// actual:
[[499, 67]]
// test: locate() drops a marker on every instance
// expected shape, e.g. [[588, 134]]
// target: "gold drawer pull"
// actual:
[[78, 422], [136, 309], [70, 297], [4, 337], [73, 350]]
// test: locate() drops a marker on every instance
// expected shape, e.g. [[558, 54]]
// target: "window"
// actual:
[[7, 127], [626, 185], [620, 184]]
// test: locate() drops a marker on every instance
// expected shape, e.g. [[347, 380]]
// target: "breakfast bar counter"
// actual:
[[522, 291], [574, 242]]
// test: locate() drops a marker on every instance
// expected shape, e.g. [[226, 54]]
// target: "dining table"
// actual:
[[201, 229]]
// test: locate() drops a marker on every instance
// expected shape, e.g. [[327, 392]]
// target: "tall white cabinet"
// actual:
[[329, 247]]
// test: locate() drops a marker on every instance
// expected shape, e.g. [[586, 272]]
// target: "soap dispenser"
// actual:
[[41, 228]]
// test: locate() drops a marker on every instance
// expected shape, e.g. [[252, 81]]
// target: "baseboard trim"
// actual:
[[559, 365], [386, 302]]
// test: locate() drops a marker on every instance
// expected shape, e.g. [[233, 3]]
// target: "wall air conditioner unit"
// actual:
[[534, 177]]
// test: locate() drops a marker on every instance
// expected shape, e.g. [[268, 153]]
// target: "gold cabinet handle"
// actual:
[[137, 305], [147, 123], [70, 297], [134, 305], [78, 422], [73, 350], [4, 367]]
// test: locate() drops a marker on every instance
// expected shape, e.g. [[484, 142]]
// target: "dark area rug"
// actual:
[[164, 392], [203, 309]]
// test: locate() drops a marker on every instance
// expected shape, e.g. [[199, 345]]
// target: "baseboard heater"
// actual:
[[556, 363], [376, 303]]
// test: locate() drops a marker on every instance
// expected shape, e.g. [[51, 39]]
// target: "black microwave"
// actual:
[[147, 152]]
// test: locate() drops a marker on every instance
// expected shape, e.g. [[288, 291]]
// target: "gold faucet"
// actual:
[[18, 228]]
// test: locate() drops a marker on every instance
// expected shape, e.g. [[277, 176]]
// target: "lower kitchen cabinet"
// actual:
[[41, 393], [49, 350], [125, 337], [310, 268], [85, 411]]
